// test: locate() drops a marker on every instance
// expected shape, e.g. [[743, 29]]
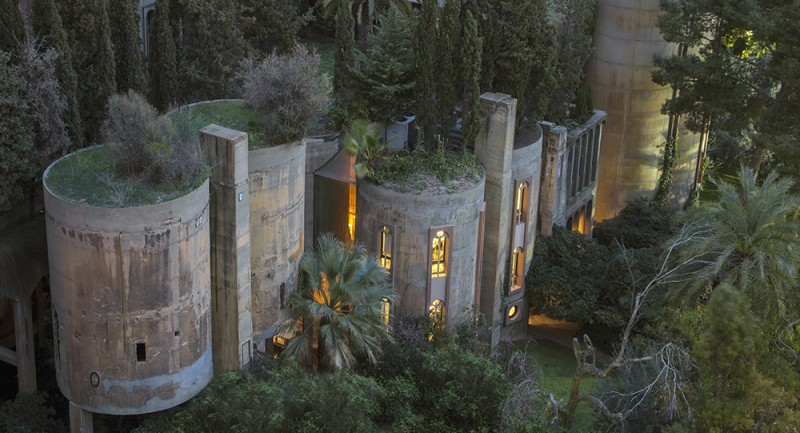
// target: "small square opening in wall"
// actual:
[[141, 352]]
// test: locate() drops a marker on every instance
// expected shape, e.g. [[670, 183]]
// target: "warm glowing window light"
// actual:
[[439, 255], [436, 313], [385, 309], [519, 202], [385, 250], [516, 268], [351, 213]]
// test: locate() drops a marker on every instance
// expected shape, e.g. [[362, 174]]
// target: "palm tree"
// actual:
[[750, 241], [337, 309]]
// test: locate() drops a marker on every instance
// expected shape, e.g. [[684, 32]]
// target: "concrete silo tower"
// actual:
[[626, 40]]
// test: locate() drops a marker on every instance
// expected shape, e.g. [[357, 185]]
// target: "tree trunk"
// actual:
[[574, 393]]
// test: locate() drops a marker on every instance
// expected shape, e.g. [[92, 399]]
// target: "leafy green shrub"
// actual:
[[408, 171], [642, 223], [154, 149], [29, 413], [289, 90]]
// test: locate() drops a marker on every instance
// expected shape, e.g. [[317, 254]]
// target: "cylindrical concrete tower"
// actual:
[[131, 295], [429, 243], [277, 209], [626, 39]]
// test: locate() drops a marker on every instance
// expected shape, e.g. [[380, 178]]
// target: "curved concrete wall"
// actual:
[[526, 162], [277, 201], [412, 216], [130, 295], [626, 39]]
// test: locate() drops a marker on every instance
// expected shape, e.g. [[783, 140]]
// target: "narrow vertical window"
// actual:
[[351, 213], [436, 313], [517, 268], [141, 352], [385, 248], [519, 206], [439, 255], [386, 308]]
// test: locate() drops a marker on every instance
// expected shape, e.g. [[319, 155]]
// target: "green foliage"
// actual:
[[448, 74], [213, 47], [383, 74], [279, 399], [100, 83], [642, 223], [11, 31], [431, 172], [471, 47], [288, 90], [748, 239], [230, 114], [125, 38], [345, 55], [163, 59], [425, 46], [734, 391], [47, 24], [584, 107], [486, 16], [17, 166], [272, 25], [337, 306], [664, 184], [362, 141], [29, 413]]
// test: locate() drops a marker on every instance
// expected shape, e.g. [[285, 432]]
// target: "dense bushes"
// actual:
[[289, 90]]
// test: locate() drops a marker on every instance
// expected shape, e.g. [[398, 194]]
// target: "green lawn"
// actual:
[[556, 364], [233, 115], [325, 46]]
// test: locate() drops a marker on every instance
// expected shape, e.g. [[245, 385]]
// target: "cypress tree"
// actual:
[[16, 135], [543, 73], [163, 59], [11, 31], [472, 45], [47, 24], [344, 56], [125, 38], [425, 91], [485, 14], [100, 82], [272, 24], [448, 84]]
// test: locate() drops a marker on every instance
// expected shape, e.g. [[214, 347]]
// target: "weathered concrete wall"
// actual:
[[232, 322], [553, 200], [413, 216], [626, 39], [494, 148], [277, 200], [318, 152], [121, 277]]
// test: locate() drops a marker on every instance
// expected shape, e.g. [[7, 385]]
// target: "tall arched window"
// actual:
[[439, 247], [436, 313], [386, 308], [385, 248], [517, 268], [519, 203]]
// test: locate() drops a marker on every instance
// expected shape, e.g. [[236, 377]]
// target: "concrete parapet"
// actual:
[[318, 152], [131, 302]]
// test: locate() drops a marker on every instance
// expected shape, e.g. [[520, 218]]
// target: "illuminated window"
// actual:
[[439, 255], [517, 268], [513, 312], [519, 203], [386, 307], [351, 213], [436, 313], [385, 248]]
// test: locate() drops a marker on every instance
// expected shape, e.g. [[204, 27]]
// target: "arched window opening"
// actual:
[[439, 255], [436, 313], [519, 206], [517, 268], [385, 248], [386, 308]]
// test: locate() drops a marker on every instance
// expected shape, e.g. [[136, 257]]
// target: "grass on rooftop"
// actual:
[[230, 114]]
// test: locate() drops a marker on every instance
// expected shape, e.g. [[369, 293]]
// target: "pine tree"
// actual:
[[384, 73], [16, 136], [344, 56], [127, 52], [449, 85], [11, 31], [163, 59], [425, 90], [472, 45], [48, 25], [213, 47]]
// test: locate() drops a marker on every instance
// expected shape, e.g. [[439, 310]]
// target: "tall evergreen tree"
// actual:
[[212, 47], [127, 52], [163, 59], [425, 89], [11, 31], [384, 74], [16, 135], [344, 56], [100, 82], [47, 24], [485, 14], [449, 84], [272, 25], [472, 45]]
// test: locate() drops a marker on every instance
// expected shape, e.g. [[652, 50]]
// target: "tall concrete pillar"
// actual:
[[80, 421], [26, 356], [553, 199], [493, 147], [232, 323], [626, 40]]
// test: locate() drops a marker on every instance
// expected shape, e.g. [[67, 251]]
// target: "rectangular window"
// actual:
[[351, 213], [385, 248], [439, 255], [141, 352]]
